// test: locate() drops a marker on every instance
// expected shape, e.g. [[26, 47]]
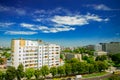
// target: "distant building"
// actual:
[[90, 47], [99, 53], [34, 53], [98, 48], [69, 56], [112, 47]]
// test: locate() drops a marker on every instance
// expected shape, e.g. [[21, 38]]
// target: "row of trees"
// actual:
[[71, 67], [12, 73], [79, 50]]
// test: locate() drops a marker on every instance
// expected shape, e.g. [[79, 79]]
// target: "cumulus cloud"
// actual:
[[18, 11], [20, 32], [45, 29], [6, 24], [77, 19], [64, 23], [101, 7]]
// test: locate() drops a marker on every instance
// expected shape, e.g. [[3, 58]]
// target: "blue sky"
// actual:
[[64, 22]]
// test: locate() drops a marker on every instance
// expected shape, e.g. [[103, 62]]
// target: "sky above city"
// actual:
[[63, 22]]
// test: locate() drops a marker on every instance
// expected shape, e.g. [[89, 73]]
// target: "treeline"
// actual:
[[71, 67], [79, 50]]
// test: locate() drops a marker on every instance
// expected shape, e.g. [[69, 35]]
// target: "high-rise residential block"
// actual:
[[34, 53], [112, 47]]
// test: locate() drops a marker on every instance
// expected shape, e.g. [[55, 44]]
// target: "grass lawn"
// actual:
[[94, 75]]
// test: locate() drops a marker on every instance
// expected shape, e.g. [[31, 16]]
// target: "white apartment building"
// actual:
[[34, 53]]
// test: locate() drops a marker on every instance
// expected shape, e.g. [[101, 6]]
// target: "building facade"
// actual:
[[34, 53], [112, 47], [99, 53]]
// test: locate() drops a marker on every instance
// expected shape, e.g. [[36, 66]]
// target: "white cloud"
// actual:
[[64, 23], [28, 26], [4, 8], [53, 11], [19, 11], [68, 20], [56, 29], [93, 17], [46, 29], [77, 19], [101, 7], [38, 20], [43, 28], [20, 32], [6, 24], [39, 11]]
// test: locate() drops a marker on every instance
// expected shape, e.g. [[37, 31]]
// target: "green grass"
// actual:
[[85, 76], [94, 75], [106, 79]]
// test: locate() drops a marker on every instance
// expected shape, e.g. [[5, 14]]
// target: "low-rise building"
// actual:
[[99, 53], [69, 56]]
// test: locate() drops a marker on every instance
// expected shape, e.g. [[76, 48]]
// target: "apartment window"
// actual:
[[57, 53]]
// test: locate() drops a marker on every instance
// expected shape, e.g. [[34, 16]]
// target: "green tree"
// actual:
[[10, 73], [37, 74], [53, 71], [61, 56], [74, 68], [61, 70], [45, 70], [91, 68], [89, 59], [6, 54], [67, 68], [101, 58], [20, 72], [101, 66], [29, 73], [116, 59], [1, 75], [67, 50], [73, 62], [82, 67]]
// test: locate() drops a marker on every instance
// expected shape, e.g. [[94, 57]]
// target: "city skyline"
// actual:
[[63, 22]]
